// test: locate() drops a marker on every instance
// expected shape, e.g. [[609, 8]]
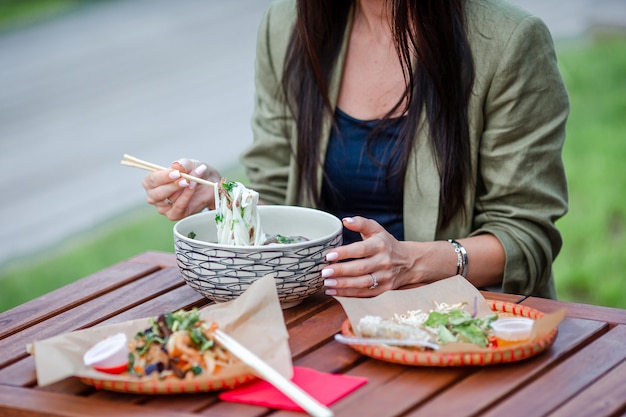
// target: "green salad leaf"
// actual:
[[460, 326]]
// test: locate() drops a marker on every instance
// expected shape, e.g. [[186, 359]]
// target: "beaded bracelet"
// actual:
[[461, 253]]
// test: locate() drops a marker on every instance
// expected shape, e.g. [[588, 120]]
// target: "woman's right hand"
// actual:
[[176, 197]]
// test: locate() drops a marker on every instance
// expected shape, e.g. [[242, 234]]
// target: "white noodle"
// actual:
[[237, 219]]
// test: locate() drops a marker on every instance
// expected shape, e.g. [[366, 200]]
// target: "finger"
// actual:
[[157, 192], [364, 281], [176, 206], [186, 165], [354, 293], [363, 286], [181, 207], [163, 207], [356, 266], [197, 172], [174, 197], [158, 178], [371, 248], [366, 227]]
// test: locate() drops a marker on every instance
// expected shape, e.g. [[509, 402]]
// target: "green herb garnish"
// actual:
[[229, 185], [182, 320], [150, 338], [207, 345], [131, 364]]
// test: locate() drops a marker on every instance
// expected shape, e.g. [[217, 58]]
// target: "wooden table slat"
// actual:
[[600, 313], [224, 409], [87, 314], [187, 403], [162, 259], [332, 357], [308, 308], [326, 325], [566, 379], [55, 302], [606, 397], [411, 386], [68, 386], [490, 384], [179, 297], [16, 402], [508, 298]]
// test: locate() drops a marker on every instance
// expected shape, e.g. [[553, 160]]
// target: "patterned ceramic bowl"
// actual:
[[223, 272]]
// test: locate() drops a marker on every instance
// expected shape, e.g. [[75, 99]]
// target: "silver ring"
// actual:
[[168, 201], [374, 281]]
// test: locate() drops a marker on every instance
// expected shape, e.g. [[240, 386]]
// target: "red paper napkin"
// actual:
[[324, 387]]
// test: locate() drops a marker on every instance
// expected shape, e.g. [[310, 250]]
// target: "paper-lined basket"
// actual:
[[171, 385], [451, 291], [255, 319]]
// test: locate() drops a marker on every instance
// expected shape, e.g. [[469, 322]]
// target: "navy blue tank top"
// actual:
[[357, 182]]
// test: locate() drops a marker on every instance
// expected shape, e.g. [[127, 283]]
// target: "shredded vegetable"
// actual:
[[177, 344]]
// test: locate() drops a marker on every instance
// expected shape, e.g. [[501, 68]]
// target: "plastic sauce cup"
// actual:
[[109, 355], [511, 331]]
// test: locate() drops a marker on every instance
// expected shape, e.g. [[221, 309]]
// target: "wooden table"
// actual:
[[582, 374]]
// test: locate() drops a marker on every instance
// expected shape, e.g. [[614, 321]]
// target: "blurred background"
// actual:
[[83, 82]]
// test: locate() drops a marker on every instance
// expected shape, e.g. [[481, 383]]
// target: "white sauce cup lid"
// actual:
[[112, 351], [513, 328]]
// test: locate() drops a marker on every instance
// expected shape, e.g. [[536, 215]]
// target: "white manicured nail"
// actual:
[[327, 272], [332, 256], [200, 170], [174, 174]]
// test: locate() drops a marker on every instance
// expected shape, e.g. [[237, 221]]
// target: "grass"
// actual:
[[591, 265], [116, 239], [20, 13], [590, 268]]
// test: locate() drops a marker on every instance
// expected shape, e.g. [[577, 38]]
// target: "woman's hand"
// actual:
[[381, 263], [376, 264], [176, 197]]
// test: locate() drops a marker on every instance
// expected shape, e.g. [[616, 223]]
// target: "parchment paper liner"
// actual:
[[255, 319], [452, 290]]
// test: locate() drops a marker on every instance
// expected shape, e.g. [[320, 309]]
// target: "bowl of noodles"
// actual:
[[288, 243]]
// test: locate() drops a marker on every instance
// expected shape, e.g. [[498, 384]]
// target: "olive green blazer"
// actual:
[[517, 113]]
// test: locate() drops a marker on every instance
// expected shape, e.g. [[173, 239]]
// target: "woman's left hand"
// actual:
[[381, 263], [376, 264]]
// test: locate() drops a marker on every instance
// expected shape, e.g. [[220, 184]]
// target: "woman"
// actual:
[[434, 128]]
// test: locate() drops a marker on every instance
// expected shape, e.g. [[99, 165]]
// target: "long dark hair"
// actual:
[[432, 46]]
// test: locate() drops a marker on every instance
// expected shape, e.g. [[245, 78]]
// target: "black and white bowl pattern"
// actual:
[[222, 273]]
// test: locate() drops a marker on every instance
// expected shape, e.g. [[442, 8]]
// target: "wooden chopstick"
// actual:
[[265, 371], [131, 161]]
